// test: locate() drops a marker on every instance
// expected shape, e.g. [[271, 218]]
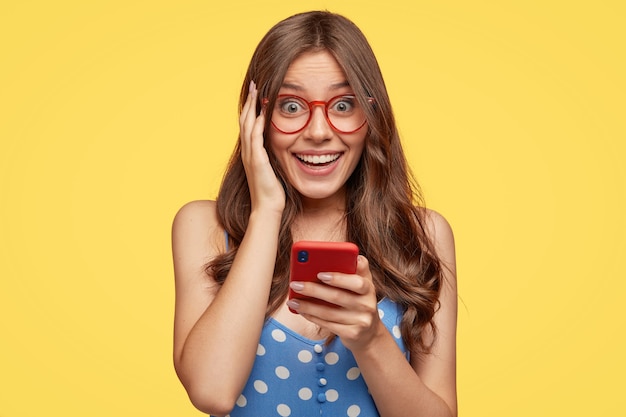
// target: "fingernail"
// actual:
[[324, 276], [293, 304], [296, 286], [251, 85]]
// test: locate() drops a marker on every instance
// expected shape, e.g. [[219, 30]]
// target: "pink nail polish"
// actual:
[[324, 276]]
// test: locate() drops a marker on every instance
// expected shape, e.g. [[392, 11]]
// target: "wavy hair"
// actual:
[[384, 214]]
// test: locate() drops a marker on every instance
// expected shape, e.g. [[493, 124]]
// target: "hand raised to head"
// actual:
[[266, 191]]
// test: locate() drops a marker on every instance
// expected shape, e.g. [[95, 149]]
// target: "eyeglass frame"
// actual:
[[311, 105]]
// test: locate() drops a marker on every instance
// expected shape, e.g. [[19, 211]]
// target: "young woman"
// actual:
[[318, 158]]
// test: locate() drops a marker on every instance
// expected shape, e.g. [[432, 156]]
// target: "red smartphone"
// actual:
[[308, 258]]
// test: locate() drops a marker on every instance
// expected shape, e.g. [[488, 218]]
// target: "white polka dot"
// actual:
[[332, 395], [260, 386], [331, 358], [279, 335], [381, 313], [305, 356], [353, 373], [242, 401], [260, 350], [354, 411], [396, 332], [305, 394], [282, 372], [283, 410], [318, 348]]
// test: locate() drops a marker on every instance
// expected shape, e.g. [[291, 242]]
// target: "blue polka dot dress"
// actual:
[[294, 376]]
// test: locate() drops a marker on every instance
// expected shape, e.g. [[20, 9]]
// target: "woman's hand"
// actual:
[[355, 317], [266, 191]]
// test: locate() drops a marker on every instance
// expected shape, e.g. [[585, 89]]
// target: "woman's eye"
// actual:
[[291, 106], [343, 105]]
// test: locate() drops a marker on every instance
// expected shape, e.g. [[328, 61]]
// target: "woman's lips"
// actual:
[[318, 160], [318, 164]]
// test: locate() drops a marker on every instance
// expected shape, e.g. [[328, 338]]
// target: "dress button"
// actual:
[[318, 348], [321, 398], [322, 382], [320, 367]]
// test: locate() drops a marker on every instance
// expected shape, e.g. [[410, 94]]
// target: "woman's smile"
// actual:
[[318, 164], [318, 160]]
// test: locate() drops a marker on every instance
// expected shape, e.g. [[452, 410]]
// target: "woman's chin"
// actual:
[[321, 192]]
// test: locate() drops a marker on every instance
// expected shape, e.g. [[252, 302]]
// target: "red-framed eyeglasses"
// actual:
[[291, 113]]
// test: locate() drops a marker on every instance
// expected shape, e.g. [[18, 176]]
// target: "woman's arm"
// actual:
[[217, 329], [427, 385]]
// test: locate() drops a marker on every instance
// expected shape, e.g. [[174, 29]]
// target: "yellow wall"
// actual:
[[115, 113]]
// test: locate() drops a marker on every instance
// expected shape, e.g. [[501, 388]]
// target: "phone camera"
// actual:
[[303, 256]]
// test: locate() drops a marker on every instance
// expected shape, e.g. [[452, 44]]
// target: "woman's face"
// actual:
[[319, 159]]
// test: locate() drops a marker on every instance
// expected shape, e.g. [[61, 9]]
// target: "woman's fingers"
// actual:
[[360, 282], [337, 296], [252, 125], [247, 120], [341, 289], [265, 189], [353, 313]]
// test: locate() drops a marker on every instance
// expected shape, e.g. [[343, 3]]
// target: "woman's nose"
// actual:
[[318, 128]]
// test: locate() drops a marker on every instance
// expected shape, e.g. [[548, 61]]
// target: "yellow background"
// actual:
[[115, 113]]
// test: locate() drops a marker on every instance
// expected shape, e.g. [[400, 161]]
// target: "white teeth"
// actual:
[[318, 159]]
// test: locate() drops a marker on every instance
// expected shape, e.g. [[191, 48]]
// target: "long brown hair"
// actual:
[[383, 205]]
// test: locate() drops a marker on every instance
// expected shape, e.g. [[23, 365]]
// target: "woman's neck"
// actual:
[[321, 220]]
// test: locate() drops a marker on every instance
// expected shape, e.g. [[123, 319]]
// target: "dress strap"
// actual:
[[226, 239]]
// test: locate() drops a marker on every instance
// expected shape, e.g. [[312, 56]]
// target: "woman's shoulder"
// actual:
[[196, 224], [198, 210], [440, 234], [199, 214], [434, 222]]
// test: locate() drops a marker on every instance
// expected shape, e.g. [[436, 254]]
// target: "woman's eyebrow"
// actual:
[[292, 87], [297, 87], [340, 85]]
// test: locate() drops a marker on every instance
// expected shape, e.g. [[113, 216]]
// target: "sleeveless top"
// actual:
[[294, 376], [299, 377]]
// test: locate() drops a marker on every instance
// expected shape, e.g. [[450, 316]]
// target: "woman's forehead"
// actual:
[[317, 70]]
